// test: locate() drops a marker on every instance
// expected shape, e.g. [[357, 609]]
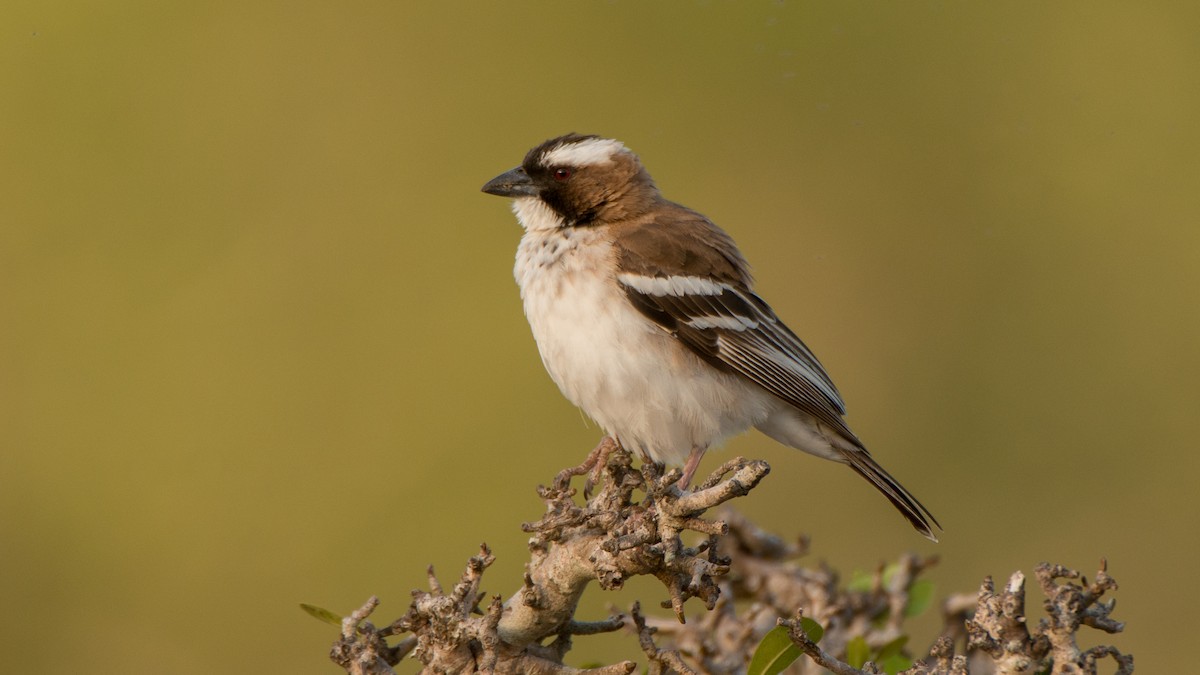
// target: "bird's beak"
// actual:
[[515, 183]]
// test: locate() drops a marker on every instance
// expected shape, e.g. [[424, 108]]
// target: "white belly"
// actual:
[[639, 383]]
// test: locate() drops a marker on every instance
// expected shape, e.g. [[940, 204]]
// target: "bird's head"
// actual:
[[576, 181]]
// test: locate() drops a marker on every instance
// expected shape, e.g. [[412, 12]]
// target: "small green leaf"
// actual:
[[891, 649], [860, 581], [812, 629], [920, 595], [775, 652], [857, 652], [889, 574], [865, 581], [894, 663], [322, 614]]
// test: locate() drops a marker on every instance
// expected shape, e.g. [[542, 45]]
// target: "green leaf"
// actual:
[[860, 581], [891, 649], [920, 595], [889, 574], [857, 652], [865, 581], [812, 629], [894, 663], [322, 614], [774, 653], [777, 651]]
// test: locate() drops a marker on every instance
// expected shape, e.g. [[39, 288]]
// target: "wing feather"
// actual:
[[685, 274], [700, 293]]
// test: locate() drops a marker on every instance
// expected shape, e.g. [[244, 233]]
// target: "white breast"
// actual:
[[639, 383]]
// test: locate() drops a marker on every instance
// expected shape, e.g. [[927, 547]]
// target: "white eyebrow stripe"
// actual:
[[738, 323], [677, 286], [584, 153]]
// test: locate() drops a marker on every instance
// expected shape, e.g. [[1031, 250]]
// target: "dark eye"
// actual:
[[562, 174]]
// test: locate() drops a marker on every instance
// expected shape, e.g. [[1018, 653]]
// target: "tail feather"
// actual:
[[902, 499]]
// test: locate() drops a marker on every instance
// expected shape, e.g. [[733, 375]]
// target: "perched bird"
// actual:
[[645, 317]]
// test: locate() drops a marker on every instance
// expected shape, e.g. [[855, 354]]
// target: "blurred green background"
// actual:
[[260, 342]]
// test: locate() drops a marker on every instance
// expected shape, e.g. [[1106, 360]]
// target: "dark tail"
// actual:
[[913, 510]]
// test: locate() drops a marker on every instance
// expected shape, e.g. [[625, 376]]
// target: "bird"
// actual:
[[645, 317]]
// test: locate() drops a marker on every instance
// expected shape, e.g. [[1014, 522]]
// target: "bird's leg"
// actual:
[[689, 468]]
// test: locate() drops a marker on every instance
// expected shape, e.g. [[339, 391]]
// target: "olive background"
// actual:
[[260, 343]]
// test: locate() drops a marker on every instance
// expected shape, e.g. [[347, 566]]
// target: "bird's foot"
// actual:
[[592, 467]]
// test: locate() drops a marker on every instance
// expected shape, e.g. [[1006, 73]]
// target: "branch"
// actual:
[[747, 579], [614, 537], [814, 652], [1000, 628]]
